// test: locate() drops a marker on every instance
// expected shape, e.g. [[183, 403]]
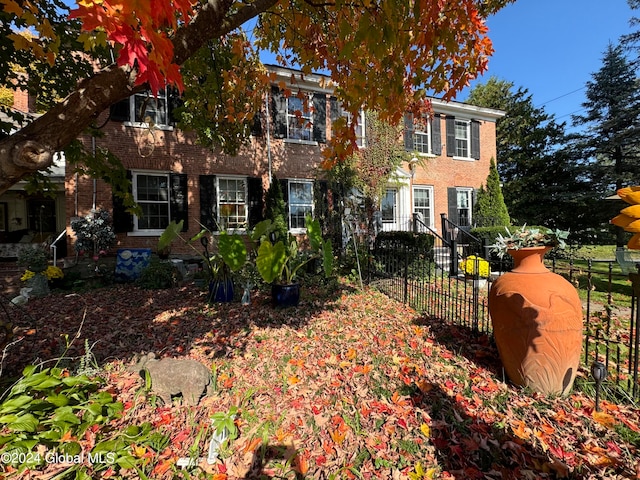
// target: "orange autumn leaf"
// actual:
[[292, 380], [604, 419], [351, 354], [251, 445], [337, 436], [162, 467], [302, 463], [520, 430]]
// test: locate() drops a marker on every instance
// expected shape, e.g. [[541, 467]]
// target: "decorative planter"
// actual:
[[285, 295], [537, 324], [220, 291]]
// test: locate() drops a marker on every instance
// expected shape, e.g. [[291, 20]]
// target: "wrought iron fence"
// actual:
[[416, 270]]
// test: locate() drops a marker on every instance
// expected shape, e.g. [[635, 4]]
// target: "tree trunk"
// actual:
[[32, 148]]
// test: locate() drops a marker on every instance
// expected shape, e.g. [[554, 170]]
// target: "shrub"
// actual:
[[159, 275]]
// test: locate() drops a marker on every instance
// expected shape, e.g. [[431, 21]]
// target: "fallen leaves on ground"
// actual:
[[349, 383]]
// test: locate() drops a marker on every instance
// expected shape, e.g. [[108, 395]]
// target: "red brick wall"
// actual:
[[178, 152]]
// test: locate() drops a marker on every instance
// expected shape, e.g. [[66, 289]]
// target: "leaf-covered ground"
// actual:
[[350, 384]]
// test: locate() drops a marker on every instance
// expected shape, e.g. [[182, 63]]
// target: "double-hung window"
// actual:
[[232, 202], [463, 138], [389, 206], [299, 121], [422, 138], [144, 109], [151, 110], [464, 204], [151, 192], [423, 205], [300, 202], [359, 128]]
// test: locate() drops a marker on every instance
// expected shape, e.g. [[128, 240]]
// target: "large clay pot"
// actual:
[[537, 324]]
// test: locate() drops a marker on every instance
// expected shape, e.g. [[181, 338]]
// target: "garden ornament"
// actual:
[[173, 376]]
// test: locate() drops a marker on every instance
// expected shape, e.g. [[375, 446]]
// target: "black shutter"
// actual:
[[174, 101], [178, 201], [452, 201], [208, 202], [321, 200], [278, 113], [408, 131], [436, 135], [320, 117], [335, 109], [256, 125], [475, 139], [120, 112], [122, 220], [284, 186], [451, 136], [255, 190]]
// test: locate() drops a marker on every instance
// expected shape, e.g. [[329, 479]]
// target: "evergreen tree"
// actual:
[[609, 144], [539, 181], [490, 209]]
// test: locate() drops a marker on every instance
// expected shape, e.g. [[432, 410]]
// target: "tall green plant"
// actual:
[[276, 210], [490, 209]]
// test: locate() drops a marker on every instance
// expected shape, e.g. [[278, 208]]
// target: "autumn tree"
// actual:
[[385, 53]]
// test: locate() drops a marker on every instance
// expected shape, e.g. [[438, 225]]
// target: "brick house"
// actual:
[[174, 178]]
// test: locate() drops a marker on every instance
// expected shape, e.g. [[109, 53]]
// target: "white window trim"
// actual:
[[469, 192], [297, 231], [468, 127], [157, 126], [134, 184], [287, 138], [362, 123], [427, 133], [429, 221], [246, 201]]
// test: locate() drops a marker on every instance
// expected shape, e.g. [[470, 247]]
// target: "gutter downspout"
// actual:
[[268, 135]]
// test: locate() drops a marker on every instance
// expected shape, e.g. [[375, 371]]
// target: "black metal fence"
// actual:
[[417, 269]]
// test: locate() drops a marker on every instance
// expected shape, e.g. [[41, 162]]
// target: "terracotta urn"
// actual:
[[537, 324]]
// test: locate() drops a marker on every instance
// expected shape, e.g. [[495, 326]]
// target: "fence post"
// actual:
[[406, 273]]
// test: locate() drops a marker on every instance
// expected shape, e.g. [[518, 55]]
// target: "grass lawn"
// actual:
[[348, 385]]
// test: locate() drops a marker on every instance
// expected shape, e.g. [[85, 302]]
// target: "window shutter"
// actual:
[[335, 109], [475, 139], [174, 101], [255, 189], [436, 135], [321, 200], [208, 202], [278, 113], [452, 201], [284, 185], [256, 125], [122, 220], [178, 201], [120, 112], [451, 136], [408, 131], [320, 117]]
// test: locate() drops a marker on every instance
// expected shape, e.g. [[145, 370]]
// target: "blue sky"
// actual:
[[551, 48]]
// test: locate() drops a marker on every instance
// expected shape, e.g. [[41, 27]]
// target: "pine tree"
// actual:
[[490, 209], [609, 144]]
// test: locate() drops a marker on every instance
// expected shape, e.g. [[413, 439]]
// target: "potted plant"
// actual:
[[167, 237], [476, 269], [278, 263], [36, 261], [228, 255], [536, 314]]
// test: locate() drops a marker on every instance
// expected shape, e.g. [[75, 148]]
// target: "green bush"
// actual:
[[159, 275]]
